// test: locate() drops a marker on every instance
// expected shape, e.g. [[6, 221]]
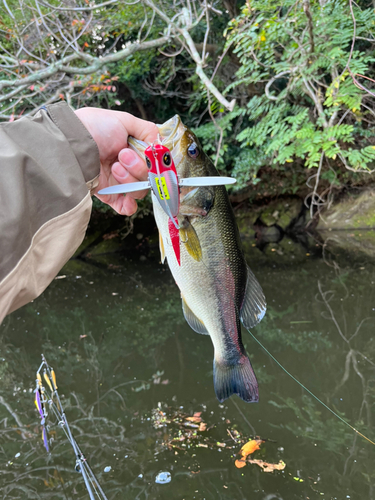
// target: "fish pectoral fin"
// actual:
[[190, 239], [254, 304], [161, 246], [195, 323]]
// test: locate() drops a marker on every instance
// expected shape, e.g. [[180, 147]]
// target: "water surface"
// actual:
[[114, 332]]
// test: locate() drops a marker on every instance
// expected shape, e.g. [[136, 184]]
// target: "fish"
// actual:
[[218, 289]]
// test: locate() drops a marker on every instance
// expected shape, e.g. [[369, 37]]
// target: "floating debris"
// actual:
[[182, 432], [163, 478], [268, 467], [249, 448], [108, 468]]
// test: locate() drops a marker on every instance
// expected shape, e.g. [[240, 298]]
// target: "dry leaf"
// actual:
[[267, 467], [202, 426], [250, 447], [194, 419], [240, 463]]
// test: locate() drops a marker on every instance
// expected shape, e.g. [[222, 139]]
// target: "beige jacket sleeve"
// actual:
[[48, 164]]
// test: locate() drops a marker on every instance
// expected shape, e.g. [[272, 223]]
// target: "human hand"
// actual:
[[118, 163]]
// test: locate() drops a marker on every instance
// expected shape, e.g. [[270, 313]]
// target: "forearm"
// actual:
[[48, 163]]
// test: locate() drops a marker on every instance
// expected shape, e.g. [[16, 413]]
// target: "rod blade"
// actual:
[[126, 188], [206, 181]]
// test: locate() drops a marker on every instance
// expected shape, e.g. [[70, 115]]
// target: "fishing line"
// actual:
[[284, 369], [308, 390]]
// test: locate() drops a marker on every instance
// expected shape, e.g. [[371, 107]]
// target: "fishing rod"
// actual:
[[47, 398]]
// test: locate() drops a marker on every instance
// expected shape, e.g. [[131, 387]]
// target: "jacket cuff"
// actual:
[[83, 145]]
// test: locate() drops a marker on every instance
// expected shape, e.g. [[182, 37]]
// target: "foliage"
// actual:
[[301, 74], [50, 51], [299, 68]]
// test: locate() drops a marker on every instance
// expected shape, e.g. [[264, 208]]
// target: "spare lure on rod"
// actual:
[[165, 184], [47, 399]]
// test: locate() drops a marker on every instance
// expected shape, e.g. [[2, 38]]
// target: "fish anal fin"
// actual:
[[195, 323], [254, 304], [190, 239], [162, 250], [236, 379]]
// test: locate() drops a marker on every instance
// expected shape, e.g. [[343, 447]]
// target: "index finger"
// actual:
[[140, 129]]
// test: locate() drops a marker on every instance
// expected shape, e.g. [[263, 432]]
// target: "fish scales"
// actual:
[[217, 288]]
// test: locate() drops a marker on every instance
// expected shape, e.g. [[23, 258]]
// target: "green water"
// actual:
[[114, 332]]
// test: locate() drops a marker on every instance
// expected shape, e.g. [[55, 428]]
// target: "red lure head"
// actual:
[[164, 184], [162, 155]]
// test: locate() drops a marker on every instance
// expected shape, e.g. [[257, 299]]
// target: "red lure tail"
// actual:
[[174, 233]]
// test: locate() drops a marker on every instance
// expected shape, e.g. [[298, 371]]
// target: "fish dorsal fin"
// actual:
[[190, 239], [194, 322], [254, 303], [161, 246]]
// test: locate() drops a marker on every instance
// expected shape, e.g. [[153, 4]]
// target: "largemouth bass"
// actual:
[[218, 289]]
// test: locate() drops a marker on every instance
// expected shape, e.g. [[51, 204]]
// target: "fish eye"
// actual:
[[167, 159], [193, 150], [148, 162]]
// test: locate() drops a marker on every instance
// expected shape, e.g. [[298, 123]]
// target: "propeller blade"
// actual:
[[126, 188], [206, 181]]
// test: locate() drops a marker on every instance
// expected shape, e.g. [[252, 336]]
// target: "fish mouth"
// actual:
[[138, 146], [171, 131], [170, 135]]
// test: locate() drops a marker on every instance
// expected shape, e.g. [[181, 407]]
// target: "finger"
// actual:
[[140, 129], [123, 176], [129, 206], [123, 205], [133, 164]]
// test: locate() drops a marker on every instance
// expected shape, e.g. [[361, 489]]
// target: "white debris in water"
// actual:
[[108, 468], [163, 478], [17, 455]]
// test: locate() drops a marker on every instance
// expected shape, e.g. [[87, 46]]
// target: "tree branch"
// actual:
[[184, 31], [317, 102], [267, 88], [96, 63], [306, 9]]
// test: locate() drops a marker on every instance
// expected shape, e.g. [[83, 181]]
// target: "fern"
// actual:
[[314, 107]]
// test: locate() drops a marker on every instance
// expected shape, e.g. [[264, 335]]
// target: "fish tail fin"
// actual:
[[237, 379]]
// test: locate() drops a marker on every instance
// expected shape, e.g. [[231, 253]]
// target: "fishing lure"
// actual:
[[163, 180], [165, 185]]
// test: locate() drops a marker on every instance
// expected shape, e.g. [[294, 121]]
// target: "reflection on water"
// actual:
[[116, 336]]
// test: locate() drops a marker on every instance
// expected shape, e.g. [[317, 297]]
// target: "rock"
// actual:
[[106, 246], [355, 211], [269, 234], [356, 243], [283, 212]]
